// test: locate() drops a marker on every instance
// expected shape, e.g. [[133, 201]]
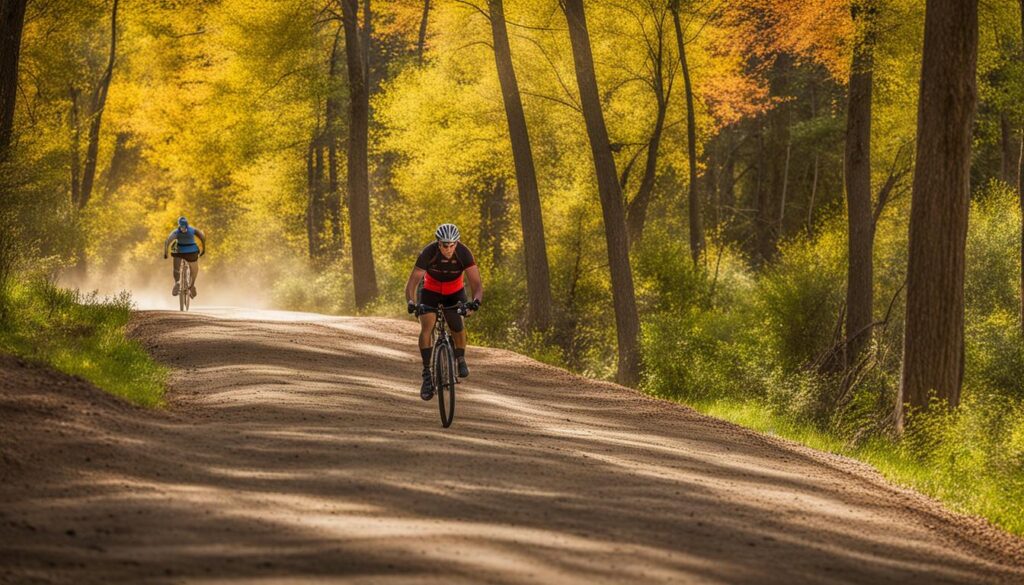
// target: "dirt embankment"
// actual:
[[295, 449]]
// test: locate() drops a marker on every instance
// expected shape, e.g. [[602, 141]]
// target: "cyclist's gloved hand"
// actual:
[[473, 305], [202, 252], [411, 307]]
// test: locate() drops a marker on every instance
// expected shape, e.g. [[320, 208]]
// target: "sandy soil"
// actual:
[[295, 449]]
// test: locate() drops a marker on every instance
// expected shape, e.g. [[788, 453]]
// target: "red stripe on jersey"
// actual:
[[445, 288]]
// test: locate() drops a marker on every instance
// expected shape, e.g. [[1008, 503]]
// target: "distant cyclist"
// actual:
[[187, 250], [441, 265]]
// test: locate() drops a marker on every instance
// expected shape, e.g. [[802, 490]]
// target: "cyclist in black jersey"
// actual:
[[440, 266]]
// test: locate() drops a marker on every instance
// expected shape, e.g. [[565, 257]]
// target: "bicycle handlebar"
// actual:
[[460, 308]]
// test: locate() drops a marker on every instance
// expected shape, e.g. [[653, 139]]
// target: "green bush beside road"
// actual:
[[78, 334]]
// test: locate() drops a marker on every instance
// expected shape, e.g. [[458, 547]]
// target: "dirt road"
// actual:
[[295, 449]]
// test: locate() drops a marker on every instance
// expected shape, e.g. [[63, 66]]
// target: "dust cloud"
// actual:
[[150, 284]]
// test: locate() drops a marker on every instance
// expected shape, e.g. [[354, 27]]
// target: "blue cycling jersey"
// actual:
[[186, 240]]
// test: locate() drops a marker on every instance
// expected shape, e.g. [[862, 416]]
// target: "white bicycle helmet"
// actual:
[[447, 232]]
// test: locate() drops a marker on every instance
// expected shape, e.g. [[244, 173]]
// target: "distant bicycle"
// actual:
[[184, 284], [442, 361]]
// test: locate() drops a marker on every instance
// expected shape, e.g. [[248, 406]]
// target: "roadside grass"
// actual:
[[967, 473], [81, 335]]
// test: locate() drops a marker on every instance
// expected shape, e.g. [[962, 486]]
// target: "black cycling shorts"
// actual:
[[187, 256], [435, 299]]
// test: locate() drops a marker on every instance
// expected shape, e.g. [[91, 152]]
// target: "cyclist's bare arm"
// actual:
[[414, 280], [202, 238], [473, 275], [168, 241]]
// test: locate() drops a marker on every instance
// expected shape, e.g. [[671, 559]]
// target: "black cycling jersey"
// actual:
[[444, 275]]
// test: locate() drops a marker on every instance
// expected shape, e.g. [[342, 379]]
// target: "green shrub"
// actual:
[[992, 275], [82, 335], [971, 456], [798, 299], [995, 355]]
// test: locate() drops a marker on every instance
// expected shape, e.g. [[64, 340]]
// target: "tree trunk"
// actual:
[[696, 224], [494, 218], [364, 277], [785, 187], [310, 236], [538, 279], [859, 275], [623, 297], [97, 104], [636, 215], [933, 344], [76, 146], [312, 197], [122, 162], [1020, 180], [421, 40], [771, 176], [764, 221], [727, 181], [814, 193], [1008, 150], [12, 22], [713, 200], [332, 120], [319, 196], [367, 39]]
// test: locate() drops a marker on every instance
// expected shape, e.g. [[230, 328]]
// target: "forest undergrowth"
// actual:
[[80, 334]]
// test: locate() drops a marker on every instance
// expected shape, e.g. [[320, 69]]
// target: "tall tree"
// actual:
[[661, 85], [696, 221], [81, 193], [1020, 177], [12, 22], [332, 136], [364, 278], [421, 39], [773, 137], [627, 321], [859, 275], [538, 280], [933, 343]]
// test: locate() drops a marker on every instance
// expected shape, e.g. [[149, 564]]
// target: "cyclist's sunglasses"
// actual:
[[447, 244]]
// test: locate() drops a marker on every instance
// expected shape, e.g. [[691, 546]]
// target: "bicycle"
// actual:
[[184, 286], [184, 281], [442, 361]]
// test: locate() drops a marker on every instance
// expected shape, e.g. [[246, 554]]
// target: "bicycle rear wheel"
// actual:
[[444, 382]]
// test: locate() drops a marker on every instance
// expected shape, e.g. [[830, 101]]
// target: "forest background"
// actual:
[[710, 201]]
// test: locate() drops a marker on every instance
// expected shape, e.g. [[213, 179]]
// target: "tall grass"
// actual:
[[78, 334]]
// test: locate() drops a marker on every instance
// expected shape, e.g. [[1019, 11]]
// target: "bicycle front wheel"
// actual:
[[183, 284], [444, 382]]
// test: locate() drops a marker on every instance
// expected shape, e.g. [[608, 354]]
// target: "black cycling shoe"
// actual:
[[427, 389], [463, 368]]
